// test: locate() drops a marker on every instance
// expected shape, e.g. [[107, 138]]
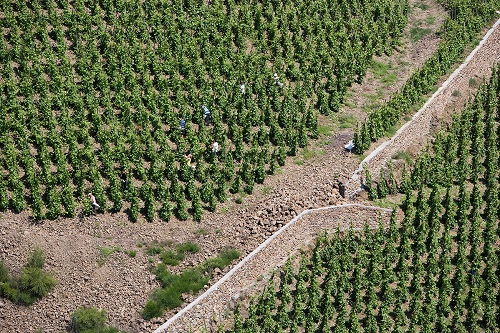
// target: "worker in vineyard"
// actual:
[[215, 147], [275, 77], [276, 80], [95, 206], [242, 88], [182, 125], [206, 112], [188, 161], [123, 180]]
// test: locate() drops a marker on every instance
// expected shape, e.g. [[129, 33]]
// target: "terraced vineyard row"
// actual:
[[93, 92], [436, 272]]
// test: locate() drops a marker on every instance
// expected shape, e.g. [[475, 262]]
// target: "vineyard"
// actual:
[[170, 110], [109, 97], [466, 19], [436, 272]]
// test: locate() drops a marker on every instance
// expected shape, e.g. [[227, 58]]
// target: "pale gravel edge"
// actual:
[[181, 313], [380, 148]]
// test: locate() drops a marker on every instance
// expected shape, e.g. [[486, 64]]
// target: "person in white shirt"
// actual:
[[215, 147], [276, 80], [95, 206]]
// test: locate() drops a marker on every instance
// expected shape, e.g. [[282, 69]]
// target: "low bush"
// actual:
[[36, 259], [88, 320], [188, 247], [33, 283], [152, 309], [191, 280], [36, 282], [91, 320], [171, 258]]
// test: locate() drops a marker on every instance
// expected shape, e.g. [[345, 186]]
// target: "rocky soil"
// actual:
[[121, 284]]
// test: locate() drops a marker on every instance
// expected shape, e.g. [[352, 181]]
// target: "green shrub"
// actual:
[[36, 282], [171, 258], [163, 275], [225, 257], [168, 298], [10, 291], [131, 253], [87, 320], [90, 320], [212, 263], [188, 247], [229, 255], [152, 250], [36, 258], [151, 309], [191, 280], [107, 251], [32, 284]]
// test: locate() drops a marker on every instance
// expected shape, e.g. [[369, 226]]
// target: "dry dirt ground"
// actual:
[[121, 284]]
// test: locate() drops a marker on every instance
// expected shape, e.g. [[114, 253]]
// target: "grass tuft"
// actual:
[[402, 155], [188, 247], [417, 33], [191, 280]]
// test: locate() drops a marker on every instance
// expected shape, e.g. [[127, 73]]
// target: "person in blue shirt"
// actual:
[[206, 112], [182, 124]]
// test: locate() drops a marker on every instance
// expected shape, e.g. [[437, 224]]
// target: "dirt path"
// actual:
[[121, 284]]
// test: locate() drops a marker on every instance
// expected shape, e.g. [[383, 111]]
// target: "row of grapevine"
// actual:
[[466, 19], [92, 93], [436, 272]]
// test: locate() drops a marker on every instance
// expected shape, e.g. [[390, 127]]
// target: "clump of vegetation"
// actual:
[[91, 320], [33, 283], [105, 252], [192, 280], [225, 258]]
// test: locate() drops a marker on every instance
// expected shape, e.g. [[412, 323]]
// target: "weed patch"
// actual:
[[171, 258], [105, 252], [33, 283], [417, 33], [188, 247], [349, 121], [87, 320], [192, 280], [422, 5], [402, 155]]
